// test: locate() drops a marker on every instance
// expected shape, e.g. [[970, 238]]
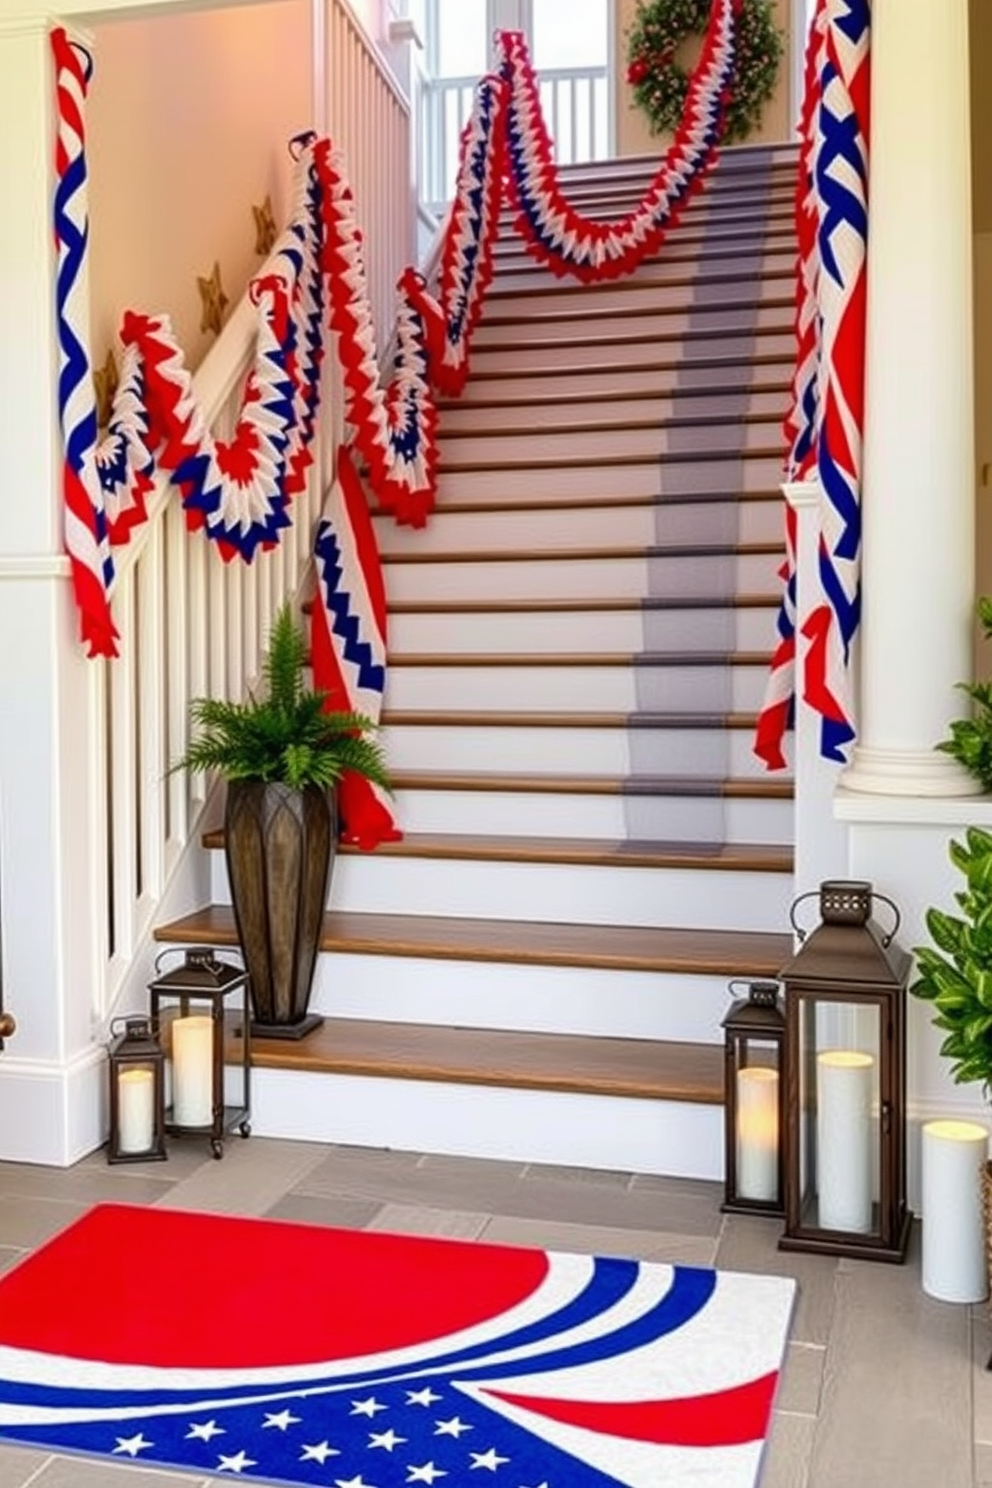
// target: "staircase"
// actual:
[[579, 643]]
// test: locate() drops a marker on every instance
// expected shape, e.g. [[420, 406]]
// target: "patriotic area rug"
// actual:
[[287, 1353]]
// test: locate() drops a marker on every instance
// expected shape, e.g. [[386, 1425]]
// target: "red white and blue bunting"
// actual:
[[823, 429], [239, 491]]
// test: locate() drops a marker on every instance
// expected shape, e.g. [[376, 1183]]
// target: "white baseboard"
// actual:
[[52, 1113]]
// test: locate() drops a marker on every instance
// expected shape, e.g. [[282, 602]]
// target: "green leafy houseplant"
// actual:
[[971, 738], [955, 973], [281, 755], [284, 735]]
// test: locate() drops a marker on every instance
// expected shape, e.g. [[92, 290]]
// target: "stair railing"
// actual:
[[192, 625]]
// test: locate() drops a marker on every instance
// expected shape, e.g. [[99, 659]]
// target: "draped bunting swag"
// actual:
[[238, 491], [823, 428]]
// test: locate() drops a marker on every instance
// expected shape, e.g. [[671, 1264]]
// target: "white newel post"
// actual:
[[51, 1077], [918, 496]]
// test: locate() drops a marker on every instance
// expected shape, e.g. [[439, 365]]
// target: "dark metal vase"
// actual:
[[279, 845]]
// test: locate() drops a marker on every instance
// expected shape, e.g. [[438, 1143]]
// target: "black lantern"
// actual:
[[188, 1003], [754, 1100], [845, 1109], [136, 1068]]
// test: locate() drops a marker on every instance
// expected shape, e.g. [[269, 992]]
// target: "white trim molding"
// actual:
[[52, 1113]]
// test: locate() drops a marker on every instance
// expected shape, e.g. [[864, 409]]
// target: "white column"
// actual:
[[919, 480]]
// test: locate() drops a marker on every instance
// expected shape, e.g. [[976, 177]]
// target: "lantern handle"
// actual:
[[890, 937], [801, 934]]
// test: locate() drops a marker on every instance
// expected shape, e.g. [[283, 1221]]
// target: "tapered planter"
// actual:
[[279, 847]]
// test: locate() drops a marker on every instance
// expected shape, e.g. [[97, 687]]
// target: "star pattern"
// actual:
[[235, 1464], [455, 1427], [386, 1439], [203, 1431], [265, 228], [132, 1445], [491, 1459], [370, 1407], [282, 1421], [213, 301]]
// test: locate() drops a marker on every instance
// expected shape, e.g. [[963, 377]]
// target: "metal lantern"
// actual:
[[754, 1099], [188, 1003], [136, 1069], [845, 1107]]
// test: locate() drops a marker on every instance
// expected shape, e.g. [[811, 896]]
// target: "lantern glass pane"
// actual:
[[840, 1133], [756, 1077]]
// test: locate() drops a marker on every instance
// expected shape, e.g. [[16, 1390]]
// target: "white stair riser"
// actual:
[[519, 335], [568, 482], [608, 818], [583, 578], [591, 1131], [777, 258], [515, 358], [712, 752], [612, 689], [665, 522], [522, 448], [590, 1001], [567, 632], [615, 377], [466, 419], [776, 278], [697, 898]]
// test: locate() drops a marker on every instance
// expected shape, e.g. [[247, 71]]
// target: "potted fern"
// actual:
[[282, 754]]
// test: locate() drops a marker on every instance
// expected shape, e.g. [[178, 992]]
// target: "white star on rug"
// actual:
[[425, 1474], [387, 1439], [319, 1453], [204, 1431], [425, 1396], [453, 1427], [236, 1464], [132, 1445], [370, 1407], [358, 1482], [282, 1421], [490, 1459]]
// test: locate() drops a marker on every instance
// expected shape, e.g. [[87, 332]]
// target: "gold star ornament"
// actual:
[[265, 228], [213, 302], [105, 380]]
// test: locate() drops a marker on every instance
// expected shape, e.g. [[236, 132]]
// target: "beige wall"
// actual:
[[633, 136], [188, 119]]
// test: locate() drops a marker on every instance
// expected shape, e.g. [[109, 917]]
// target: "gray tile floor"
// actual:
[[883, 1386]]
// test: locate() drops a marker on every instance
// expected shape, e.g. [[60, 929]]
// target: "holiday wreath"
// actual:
[[660, 82]]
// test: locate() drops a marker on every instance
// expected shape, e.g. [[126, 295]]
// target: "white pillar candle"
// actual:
[[843, 1140], [135, 1110], [954, 1267], [757, 1133], [192, 1071]]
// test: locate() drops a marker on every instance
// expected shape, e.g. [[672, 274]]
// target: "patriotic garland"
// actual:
[[238, 491], [823, 428]]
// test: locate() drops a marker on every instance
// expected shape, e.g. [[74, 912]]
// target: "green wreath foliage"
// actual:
[[660, 83]]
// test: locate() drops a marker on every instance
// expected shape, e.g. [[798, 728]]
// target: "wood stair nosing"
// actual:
[[639, 312], [615, 458], [522, 718], [729, 788], [733, 857], [696, 335], [629, 425], [528, 659], [556, 606], [494, 505], [568, 555], [619, 947], [498, 291], [666, 364], [581, 396]]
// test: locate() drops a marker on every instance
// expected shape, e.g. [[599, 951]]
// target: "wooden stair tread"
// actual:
[[636, 1069], [612, 395], [738, 601], [539, 943], [484, 718], [564, 555], [453, 506], [663, 364], [694, 334], [499, 291], [730, 788], [580, 659], [448, 466], [599, 852], [638, 312], [627, 425]]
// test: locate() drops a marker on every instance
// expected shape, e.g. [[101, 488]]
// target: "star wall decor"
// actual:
[[105, 380], [265, 228], [213, 301]]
